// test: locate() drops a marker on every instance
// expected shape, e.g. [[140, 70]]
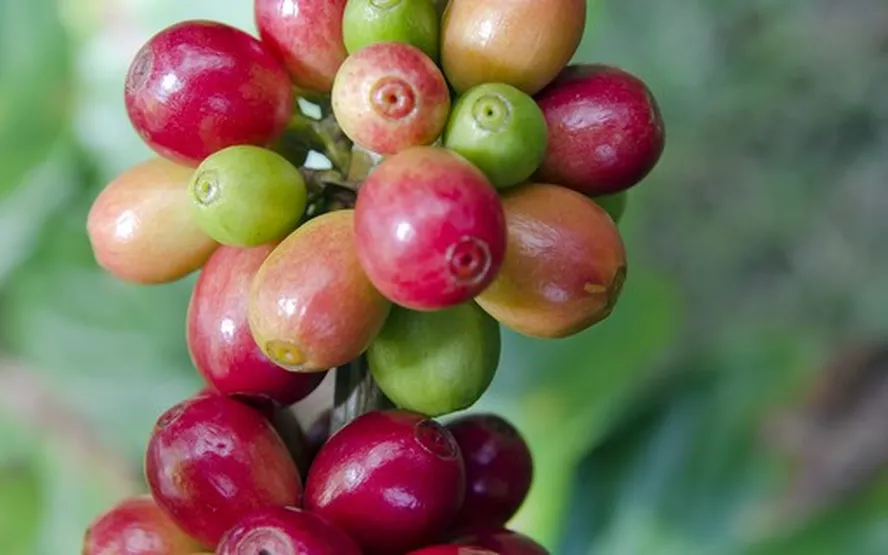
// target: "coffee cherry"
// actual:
[[564, 267], [136, 526], [307, 35], [413, 22], [505, 542], [499, 469], [312, 307], [499, 129], [606, 132], [200, 86], [393, 480], [279, 531], [245, 196], [219, 338], [436, 362], [202, 469], [453, 550], [614, 204], [523, 43], [389, 96], [140, 226], [430, 229]]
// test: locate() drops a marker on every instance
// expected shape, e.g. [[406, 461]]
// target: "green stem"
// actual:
[[326, 135], [356, 393]]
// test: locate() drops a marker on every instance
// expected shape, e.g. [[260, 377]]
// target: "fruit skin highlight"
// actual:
[[393, 480], [390, 96], [430, 229], [414, 22], [312, 307], [246, 196], [523, 43], [140, 226], [283, 530], [201, 465], [436, 363], [499, 129], [218, 332], [606, 132], [136, 526], [173, 76], [307, 36], [565, 264]]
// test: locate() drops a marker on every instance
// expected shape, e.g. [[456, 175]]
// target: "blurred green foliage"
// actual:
[[752, 252]]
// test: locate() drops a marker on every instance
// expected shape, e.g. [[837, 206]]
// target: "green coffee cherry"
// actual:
[[614, 204], [415, 22], [436, 363], [499, 129], [245, 196]]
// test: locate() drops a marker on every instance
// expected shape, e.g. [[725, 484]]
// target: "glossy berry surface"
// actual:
[[201, 465], [565, 264], [393, 480], [436, 362], [246, 196], [307, 35], [286, 531], [414, 22], [505, 542], [200, 86], [430, 229], [390, 96], [606, 132], [453, 550], [140, 226], [499, 129], [523, 43], [499, 469], [312, 307], [218, 332], [136, 526]]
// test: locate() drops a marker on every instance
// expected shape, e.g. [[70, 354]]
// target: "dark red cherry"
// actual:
[[430, 229], [393, 480], [219, 337], [212, 460], [198, 87], [453, 550], [606, 132], [286, 531], [505, 542], [499, 469]]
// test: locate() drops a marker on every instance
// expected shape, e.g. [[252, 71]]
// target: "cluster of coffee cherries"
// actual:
[[371, 184]]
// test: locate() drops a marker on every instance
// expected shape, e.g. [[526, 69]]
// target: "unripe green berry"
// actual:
[[414, 22], [499, 129], [245, 196], [438, 362], [614, 204]]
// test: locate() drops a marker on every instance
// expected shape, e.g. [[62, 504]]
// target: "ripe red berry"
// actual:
[[212, 460], [307, 35], [393, 480], [136, 526], [606, 132], [390, 96], [219, 338], [505, 542], [200, 86], [453, 550], [430, 229], [280, 530], [499, 469]]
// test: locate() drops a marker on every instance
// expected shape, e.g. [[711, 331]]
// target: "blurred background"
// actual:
[[736, 403]]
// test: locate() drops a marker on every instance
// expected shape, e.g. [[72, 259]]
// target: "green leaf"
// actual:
[[21, 510]]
